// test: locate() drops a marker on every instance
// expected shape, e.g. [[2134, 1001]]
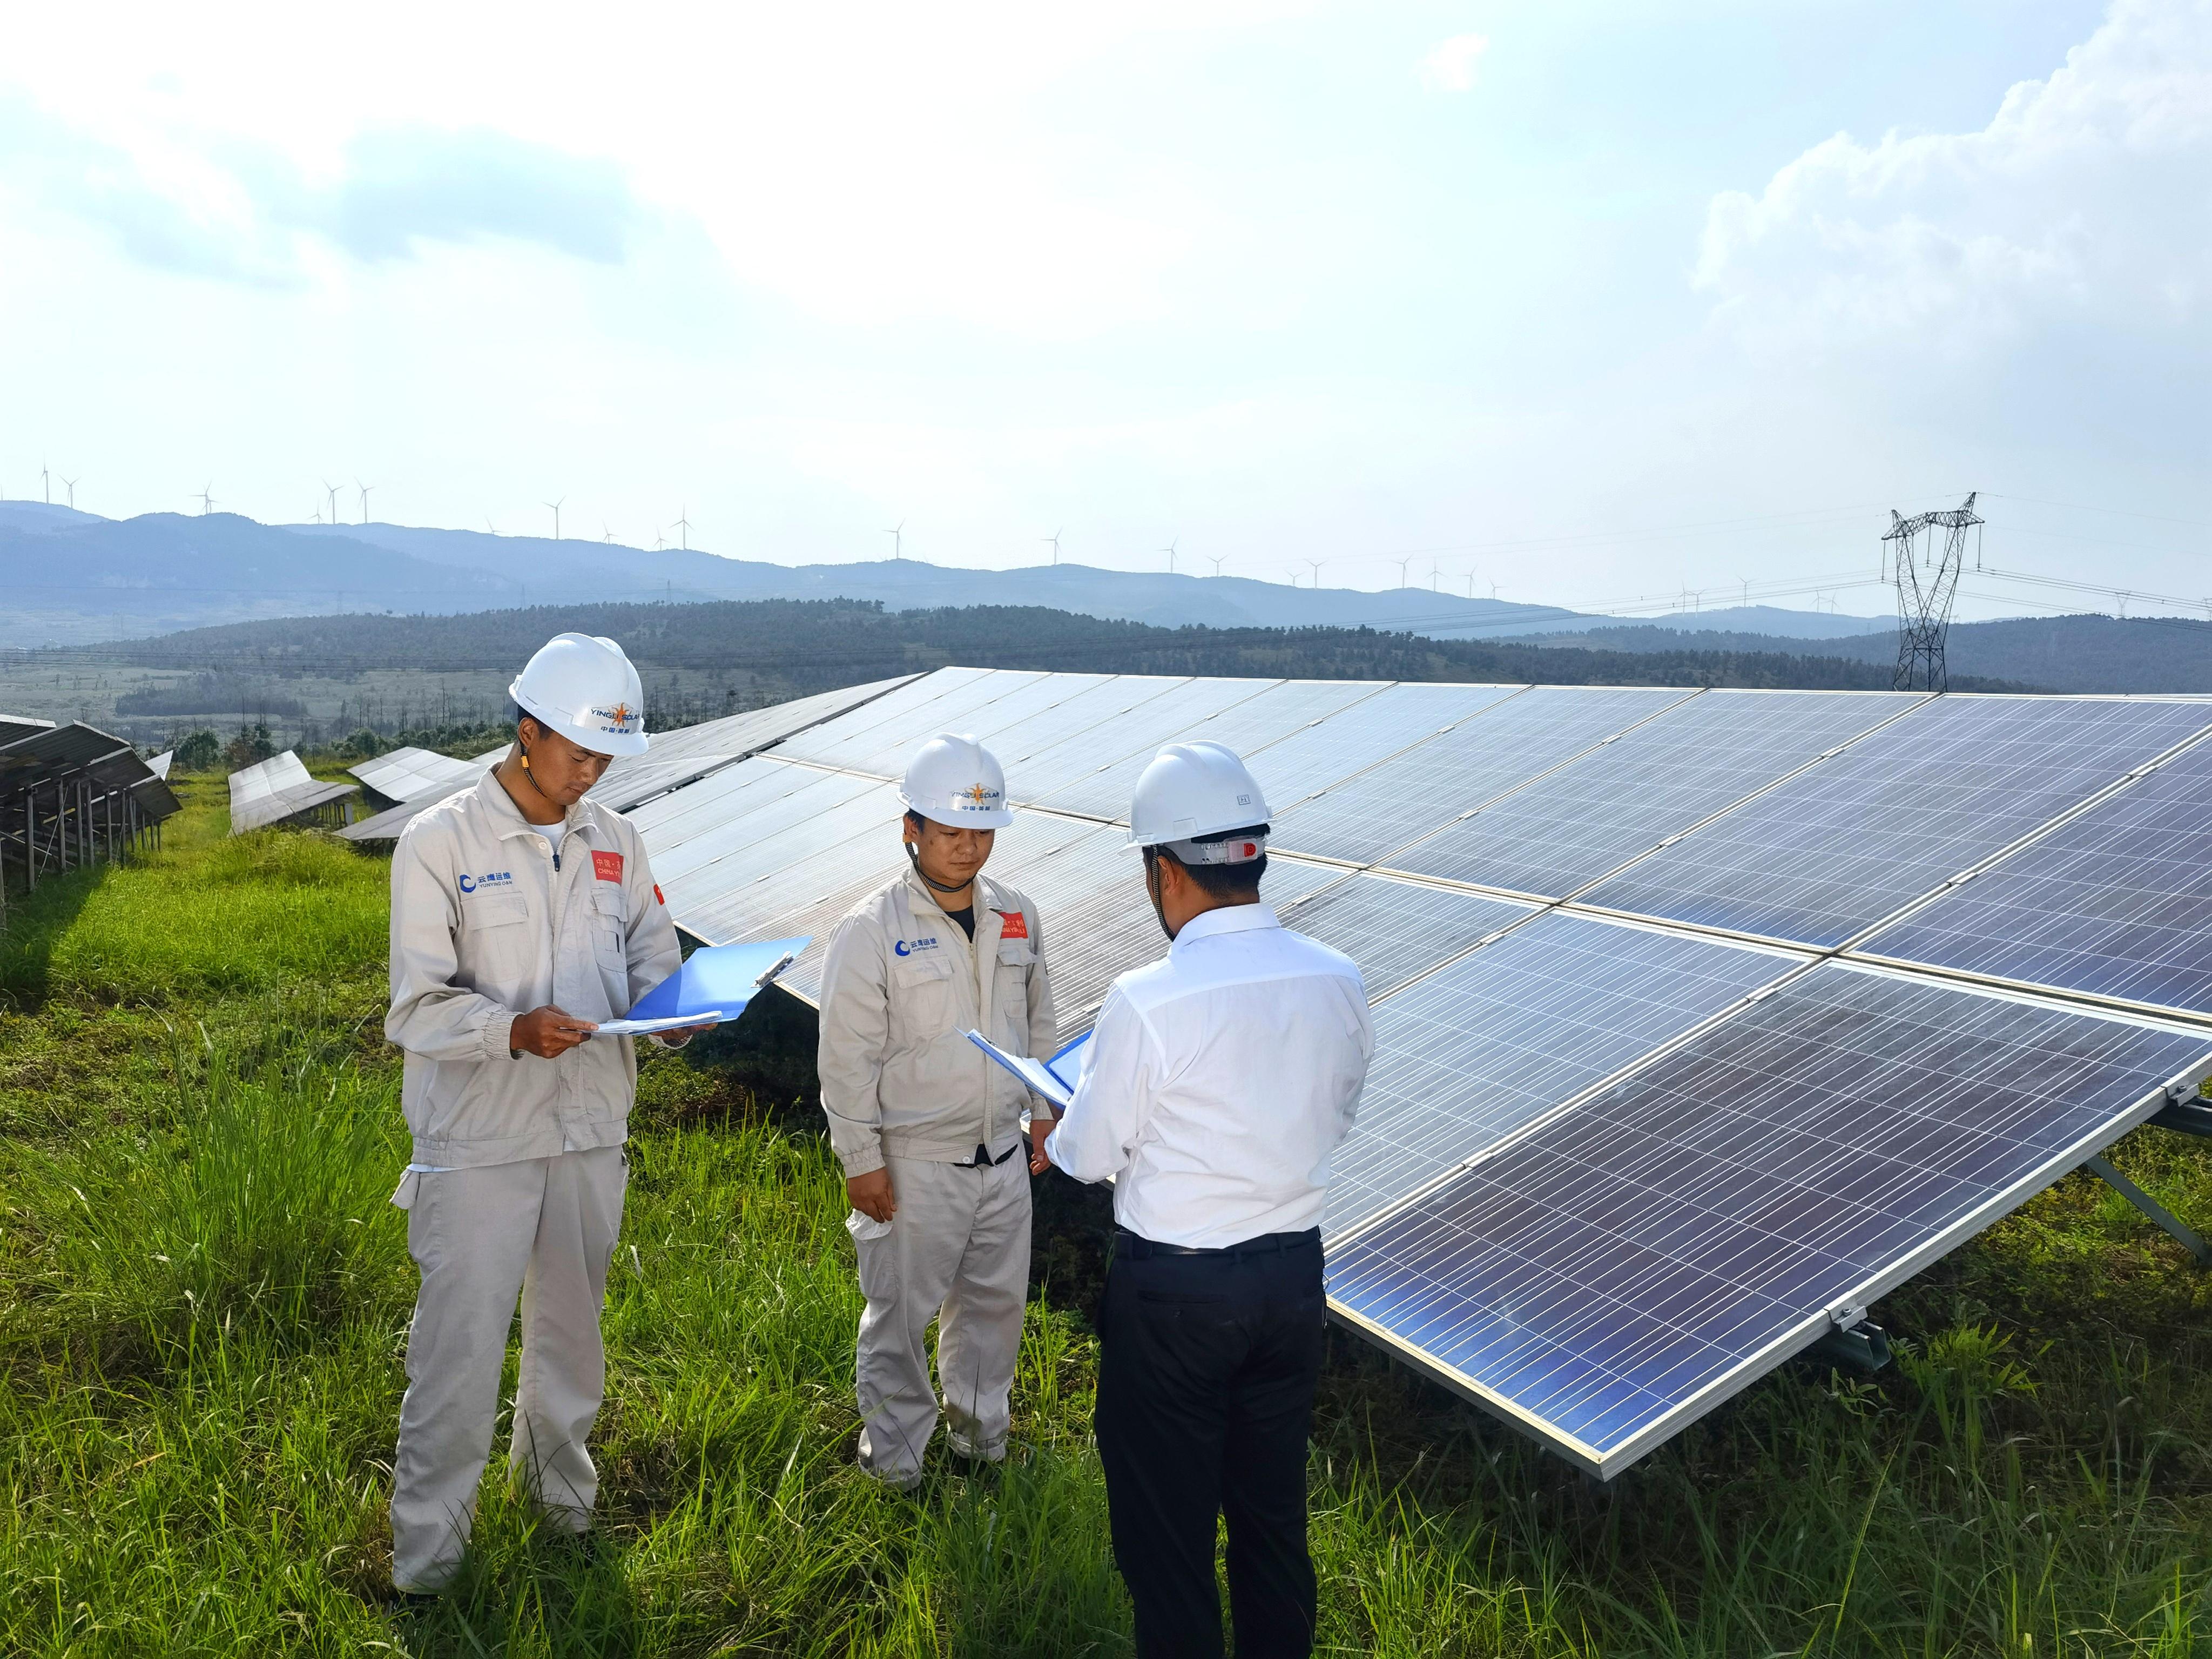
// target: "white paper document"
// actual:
[[667, 1022], [1039, 1076]]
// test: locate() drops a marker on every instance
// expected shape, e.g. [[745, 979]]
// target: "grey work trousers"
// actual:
[[957, 1249], [545, 1227]]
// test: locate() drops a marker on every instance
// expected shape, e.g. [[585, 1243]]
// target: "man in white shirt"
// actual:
[[1217, 1087]]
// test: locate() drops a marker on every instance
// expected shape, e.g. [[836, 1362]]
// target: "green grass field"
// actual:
[[203, 1297]]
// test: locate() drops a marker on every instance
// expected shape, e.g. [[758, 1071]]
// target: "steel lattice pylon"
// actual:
[[1927, 582]]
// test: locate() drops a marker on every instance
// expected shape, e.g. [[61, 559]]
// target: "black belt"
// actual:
[[983, 1160], [1137, 1249]]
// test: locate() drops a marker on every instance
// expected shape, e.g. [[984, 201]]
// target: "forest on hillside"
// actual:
[[804, 646]]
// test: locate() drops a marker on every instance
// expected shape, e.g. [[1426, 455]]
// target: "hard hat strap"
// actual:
[[913, 857]]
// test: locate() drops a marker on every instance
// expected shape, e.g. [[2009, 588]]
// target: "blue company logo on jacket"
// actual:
[[489, 879], [904, 949]]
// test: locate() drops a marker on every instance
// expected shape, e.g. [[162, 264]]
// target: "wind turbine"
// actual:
[[1470, 584], [70, 484], [1169, 550], [606, 534], [660, 541], [555, 506], [206, 500], [1293, 576], [47, 483], [682, 527], [898, 546], [1053, 541], [364, 490], [1220, 559], [331, 490], [1402, 564], [1316, 564], [490, 525]]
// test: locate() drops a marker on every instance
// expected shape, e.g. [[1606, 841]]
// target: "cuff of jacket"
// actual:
[[862, 1160], [498, 1029]]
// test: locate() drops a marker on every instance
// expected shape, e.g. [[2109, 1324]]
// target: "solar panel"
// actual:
[[1623, 1269], [1366, 815], [727, 897], [1397, 929], [1142, 728], [2116, 902], [690, 751], [1249, 724], [405, 774], [1495, 1040], [749, 836], [946, 700], [1315, 755], [718, 798], [278, 788], [1594, 814], [1833, 851]]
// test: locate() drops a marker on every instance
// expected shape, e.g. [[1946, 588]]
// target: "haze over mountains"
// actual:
[[75, 577]]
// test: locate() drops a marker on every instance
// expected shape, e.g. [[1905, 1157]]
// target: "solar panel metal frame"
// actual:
[[1899, 1271]]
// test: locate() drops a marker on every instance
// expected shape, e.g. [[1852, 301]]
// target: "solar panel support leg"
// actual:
[[1860, 1348], [2150, 1206], [2185, 1117]]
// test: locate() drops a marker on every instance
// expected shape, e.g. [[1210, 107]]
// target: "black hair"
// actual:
[[1221, 881]]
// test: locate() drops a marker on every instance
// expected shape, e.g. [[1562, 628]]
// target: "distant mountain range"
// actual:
[[75, 577]]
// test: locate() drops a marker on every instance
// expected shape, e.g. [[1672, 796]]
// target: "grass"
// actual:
[[203, 1296]]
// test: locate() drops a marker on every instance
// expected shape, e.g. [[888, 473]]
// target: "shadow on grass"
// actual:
[[35, 922]]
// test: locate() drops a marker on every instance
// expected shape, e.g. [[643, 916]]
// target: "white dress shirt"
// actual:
[[1220, 1081]]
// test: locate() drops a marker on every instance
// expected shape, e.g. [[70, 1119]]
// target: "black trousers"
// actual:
[[1206, 1389]]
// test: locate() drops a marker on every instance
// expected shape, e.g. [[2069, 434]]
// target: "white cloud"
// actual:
[[2084, 200], [1449, 64]]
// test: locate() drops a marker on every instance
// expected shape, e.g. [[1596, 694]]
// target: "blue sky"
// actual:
[[1586, 300]]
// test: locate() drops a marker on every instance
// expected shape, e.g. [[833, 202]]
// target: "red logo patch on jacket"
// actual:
[[607, 865], [1013, 924], [657, 897]]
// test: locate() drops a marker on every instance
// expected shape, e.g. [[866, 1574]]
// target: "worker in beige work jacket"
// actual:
[[928, 1127], [521, 915]]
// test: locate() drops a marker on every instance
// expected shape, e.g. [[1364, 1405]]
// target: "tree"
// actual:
[[250, 747], [199, 751]]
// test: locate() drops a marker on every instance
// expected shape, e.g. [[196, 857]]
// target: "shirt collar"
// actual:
[[1229, 919], [501, 804]]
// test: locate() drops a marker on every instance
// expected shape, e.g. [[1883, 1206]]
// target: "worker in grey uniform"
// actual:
[[928, 1127], [522, 915]]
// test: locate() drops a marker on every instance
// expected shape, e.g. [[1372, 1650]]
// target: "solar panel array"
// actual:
[[1648, 1113], [405, 774]]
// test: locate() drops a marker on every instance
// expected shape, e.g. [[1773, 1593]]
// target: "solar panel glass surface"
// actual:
[[1318, 753], [1488, 1044], [729, 896], [1625, 1267], [1396, 929], [949, 700], [1142, 729], [735, 845], [1366, 817], [2116, 902], [1281, 710], [714, 800], [1593, 815], [1831, 852]]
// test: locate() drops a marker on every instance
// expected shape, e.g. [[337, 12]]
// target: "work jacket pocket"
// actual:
[[607, 925], [921, 998]]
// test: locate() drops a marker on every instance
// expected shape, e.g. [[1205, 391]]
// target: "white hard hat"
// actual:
[[954, 780], [585, 688], [1195, 789]]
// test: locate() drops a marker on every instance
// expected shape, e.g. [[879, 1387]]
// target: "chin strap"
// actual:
[[528, 777], [1152, 892], [913, 857]]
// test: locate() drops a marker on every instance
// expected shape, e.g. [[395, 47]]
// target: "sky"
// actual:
[[1600, 303]]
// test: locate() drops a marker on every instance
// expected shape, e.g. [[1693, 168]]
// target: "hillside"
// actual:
[[2086, 653], [80, 578], [389, 672]]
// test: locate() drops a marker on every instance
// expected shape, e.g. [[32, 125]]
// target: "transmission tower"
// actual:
[[1927, 582]]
